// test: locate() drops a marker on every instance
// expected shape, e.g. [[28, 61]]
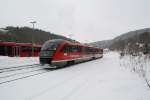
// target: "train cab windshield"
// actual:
[[49, 48]]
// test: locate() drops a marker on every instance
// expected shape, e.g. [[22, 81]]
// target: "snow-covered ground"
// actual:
[[138, 64], [101, 79], [6, 62]]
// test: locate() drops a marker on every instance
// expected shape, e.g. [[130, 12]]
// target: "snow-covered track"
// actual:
[[2, 70], [20, 72], [21, 78]]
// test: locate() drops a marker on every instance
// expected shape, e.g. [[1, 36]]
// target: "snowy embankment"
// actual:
[[101, 79], [6, 62], [138, 64]]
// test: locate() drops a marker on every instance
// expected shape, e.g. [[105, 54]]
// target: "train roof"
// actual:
[[71, 43], [62, 40], [56, 40]]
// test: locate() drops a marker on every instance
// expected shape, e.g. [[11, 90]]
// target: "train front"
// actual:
[[47, 51]]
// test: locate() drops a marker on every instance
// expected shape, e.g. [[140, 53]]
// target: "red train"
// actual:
[[19, 49], [59, 53]]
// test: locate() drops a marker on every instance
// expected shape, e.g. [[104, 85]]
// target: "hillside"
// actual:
[[141, 36], [102, 44], [24, 35]]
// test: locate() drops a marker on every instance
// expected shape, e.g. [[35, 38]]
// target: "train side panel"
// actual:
[[64, 55]]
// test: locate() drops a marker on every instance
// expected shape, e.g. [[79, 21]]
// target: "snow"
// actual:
[[6, 62], [138, 64], [101, 79]]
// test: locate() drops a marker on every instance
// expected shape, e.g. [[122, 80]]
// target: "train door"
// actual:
[[5, 50], [17, 51], [66, 52], [2, 50]]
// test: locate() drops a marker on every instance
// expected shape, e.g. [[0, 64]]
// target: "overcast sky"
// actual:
[[86, 20]]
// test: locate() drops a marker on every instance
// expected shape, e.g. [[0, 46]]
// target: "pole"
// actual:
[[32, 37]]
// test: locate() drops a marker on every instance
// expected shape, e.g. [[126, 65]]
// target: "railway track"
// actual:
[[2, 70], [20, 72]]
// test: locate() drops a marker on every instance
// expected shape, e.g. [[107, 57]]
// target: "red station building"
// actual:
[[13, 49]]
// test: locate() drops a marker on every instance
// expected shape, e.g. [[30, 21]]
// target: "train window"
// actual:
[[87, 50], [66, 48], [76, 49], [79, 48], [71, 48], [50, 46]]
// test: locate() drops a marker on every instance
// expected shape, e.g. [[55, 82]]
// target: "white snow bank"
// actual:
[[17, 61], [138, 64]]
